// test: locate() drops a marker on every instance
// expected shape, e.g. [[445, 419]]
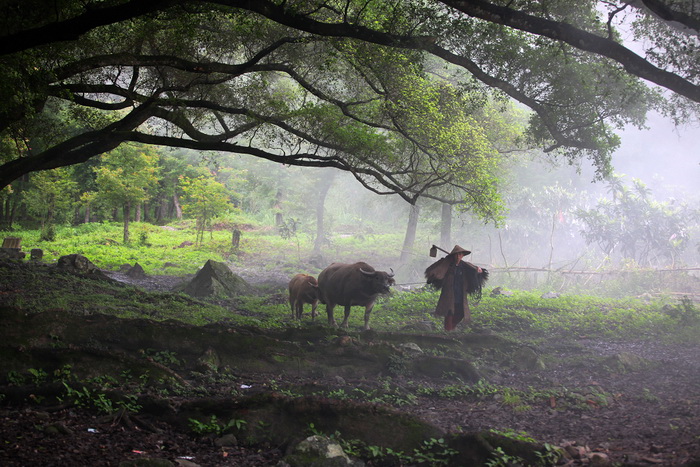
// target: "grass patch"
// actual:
[[527, 317], [101, 244], [522, 315], [527, 314], [154, 246]]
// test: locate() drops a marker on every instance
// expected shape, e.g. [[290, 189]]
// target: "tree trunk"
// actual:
[[76, 215], [325, 185], [127, 214], [178, 208], [3, 207], [235, 238], [551, 241], [87, 213], [161, 211], [137, 215], [12, 213], [5, 214], [446, 225], [12, 202], [279, 217], [49, 215], [410, 238], [200, 223]]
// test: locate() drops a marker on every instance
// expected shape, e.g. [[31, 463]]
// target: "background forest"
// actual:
[[138, 204], [279, 136], [397, 125]]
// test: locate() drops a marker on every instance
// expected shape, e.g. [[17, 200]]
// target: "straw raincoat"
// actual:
[[453, 304]]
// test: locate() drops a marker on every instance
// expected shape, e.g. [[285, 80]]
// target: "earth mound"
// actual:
[[215, 279]]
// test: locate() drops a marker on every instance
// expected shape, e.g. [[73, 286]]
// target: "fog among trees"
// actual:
[[538, 135], [174, 174]]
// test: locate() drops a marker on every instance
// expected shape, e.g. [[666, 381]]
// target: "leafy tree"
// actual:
[[323, 185], [205, 198], [635, 226], [166, 197], [467, 141], [313, 83], [125, 176], [10, 202], [204, 68], [50, 196], [87, 199]]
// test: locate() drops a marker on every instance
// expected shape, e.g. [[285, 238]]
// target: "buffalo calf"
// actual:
[[303, 289]]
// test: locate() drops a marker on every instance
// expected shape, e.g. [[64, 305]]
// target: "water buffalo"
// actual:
[[350, 285], [303, 289]]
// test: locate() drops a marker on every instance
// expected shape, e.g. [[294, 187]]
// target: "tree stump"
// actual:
[[12, 242], [236, 238]]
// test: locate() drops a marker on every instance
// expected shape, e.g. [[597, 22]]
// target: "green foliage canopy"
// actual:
[[295, 82], [52, 196], [125, 177], [205, 198], [126, 173]]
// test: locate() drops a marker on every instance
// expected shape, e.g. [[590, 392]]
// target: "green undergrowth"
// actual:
[[578, 315], [165, 250], [584, 398], [156, 248], [524, 316], [171, 249]]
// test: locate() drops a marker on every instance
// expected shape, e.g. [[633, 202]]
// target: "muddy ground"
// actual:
[[605, 402]]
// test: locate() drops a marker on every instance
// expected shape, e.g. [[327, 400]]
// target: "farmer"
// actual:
[[457, 279]]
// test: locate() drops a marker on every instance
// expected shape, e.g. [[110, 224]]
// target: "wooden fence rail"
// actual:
[[616, 271], [654, 281]]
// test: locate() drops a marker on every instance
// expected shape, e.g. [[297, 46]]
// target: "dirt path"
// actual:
[[646, 415]]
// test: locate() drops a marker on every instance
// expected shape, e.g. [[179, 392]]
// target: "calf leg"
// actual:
[[314, 304]]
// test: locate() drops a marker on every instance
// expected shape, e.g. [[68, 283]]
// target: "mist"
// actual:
[[538, 232], [664, 157]]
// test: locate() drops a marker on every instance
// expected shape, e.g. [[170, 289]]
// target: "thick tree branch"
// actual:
[[289, 18], [77, 149], [305, 159], [669, 14], [199, 67], [632, 63], [583, 40], [73, 28]]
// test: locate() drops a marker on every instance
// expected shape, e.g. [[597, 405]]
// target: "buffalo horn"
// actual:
[[392, 272], [369, 273]]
